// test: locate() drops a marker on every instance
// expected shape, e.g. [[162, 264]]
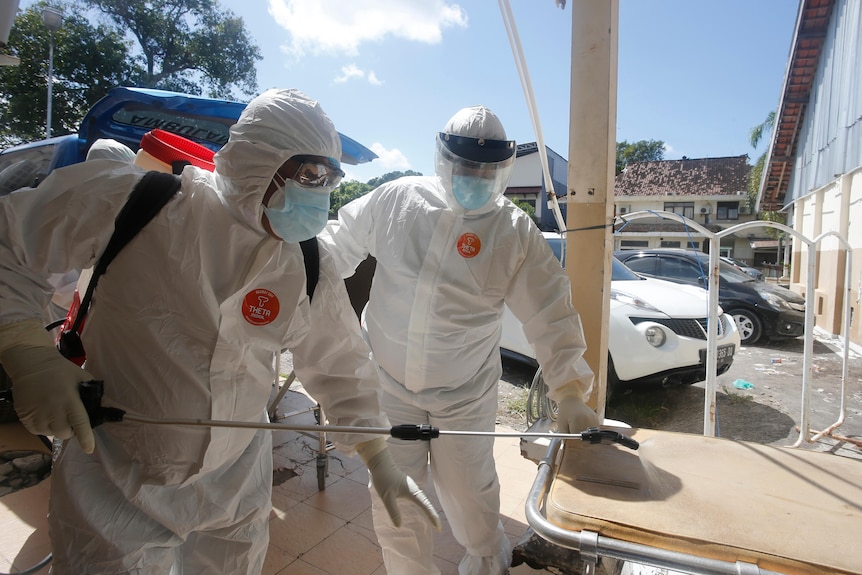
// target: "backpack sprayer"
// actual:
[[92, 391]]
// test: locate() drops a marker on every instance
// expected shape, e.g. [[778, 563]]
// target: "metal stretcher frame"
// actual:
[[324, 446], [591, 545]]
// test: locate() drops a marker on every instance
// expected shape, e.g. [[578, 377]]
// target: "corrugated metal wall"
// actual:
[[830, 142]]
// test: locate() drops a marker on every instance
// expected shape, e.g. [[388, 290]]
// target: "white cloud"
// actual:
[[373, 79], [387, 161], [391, 160], [352, 71], [341, 27], [348, 72]]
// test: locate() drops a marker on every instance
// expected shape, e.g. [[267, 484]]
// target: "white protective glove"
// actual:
[[574, 416], [44, 384], [391, 484]]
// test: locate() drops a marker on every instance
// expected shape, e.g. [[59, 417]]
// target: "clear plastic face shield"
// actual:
[[474, 170]]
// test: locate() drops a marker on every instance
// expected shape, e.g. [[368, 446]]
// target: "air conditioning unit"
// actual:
[[705, 210], [744, 210], [624, 210]]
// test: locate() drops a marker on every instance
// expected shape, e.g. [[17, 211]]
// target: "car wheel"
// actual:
[[749, 325]]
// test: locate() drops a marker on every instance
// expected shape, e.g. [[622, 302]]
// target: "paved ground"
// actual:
[[759, 399]]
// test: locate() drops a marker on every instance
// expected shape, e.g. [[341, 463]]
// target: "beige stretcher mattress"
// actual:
[[789, 510]]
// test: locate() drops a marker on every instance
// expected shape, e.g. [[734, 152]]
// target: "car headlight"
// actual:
[[631, 300], [655, 336], [775, 301]]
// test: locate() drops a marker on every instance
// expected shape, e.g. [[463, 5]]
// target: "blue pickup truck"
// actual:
[[126, 114]]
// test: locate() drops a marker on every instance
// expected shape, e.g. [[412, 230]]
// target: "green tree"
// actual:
[[756, 175], [345, 193], [352, 189], [190, 46], [89, 60], [531, 211], [641, 151], [389, 176], [754, 136]]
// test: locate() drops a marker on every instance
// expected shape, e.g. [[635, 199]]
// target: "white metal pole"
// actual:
[[50, 82], [709, 409]]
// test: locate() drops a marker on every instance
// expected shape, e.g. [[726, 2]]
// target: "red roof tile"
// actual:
[[686, 177]]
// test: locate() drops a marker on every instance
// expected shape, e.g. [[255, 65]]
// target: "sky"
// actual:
[[695, 74]]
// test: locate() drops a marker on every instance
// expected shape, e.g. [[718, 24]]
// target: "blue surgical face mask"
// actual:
[[303, 214], [472, 192]]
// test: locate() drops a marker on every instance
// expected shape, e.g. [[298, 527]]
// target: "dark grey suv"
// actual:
[[760, 309]]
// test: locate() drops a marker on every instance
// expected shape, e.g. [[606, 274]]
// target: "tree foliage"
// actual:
[[756, 175], [351, 189], [346, 192], [88, 61], [641, 151], [530, 210], [389, 176], [190, 46]]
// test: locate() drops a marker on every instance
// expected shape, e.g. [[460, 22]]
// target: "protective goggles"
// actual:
[[315, 172]]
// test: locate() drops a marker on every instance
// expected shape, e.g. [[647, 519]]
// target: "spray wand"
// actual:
[[92, 391]]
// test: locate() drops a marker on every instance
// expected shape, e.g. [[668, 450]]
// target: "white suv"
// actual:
[[657, 330]]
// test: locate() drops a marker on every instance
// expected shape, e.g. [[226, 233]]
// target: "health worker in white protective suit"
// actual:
[[64, 284], [185, 324], [450, 251]]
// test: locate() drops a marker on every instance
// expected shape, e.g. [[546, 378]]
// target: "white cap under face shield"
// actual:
[[474, 160]]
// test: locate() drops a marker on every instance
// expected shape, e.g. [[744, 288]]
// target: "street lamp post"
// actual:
[[53, 19]]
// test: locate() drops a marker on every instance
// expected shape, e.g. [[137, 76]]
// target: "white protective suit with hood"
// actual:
[[184, 324], [433, 320]]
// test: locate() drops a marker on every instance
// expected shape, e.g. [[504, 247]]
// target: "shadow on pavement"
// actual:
[[681, 409]]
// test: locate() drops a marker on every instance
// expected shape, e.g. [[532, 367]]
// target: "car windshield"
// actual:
[[731, 274], [621, 273]]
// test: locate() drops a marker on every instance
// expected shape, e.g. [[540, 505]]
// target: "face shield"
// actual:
[[473, 158], [474, 170]]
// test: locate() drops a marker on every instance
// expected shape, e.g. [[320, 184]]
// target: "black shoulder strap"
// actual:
[[311, 257], [148, 197]]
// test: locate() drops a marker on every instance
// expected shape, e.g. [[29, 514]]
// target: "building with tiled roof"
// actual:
[[694, 177], [709, 191]]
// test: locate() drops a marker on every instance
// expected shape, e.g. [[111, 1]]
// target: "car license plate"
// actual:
[[723, 354]]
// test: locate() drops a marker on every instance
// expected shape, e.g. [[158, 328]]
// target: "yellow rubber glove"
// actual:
[[391, 484], [574, 416], [44, 384]]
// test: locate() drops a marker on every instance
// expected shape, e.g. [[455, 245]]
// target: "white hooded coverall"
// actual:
[[434, 324], [184, 324]]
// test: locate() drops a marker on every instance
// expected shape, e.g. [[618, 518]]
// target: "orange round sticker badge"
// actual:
[[260, 307], [469, 245]]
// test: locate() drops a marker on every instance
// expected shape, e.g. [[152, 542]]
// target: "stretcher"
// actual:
[[324, 446], [702, 505]]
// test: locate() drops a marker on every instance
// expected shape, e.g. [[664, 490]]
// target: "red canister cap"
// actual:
[[169, 148]]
